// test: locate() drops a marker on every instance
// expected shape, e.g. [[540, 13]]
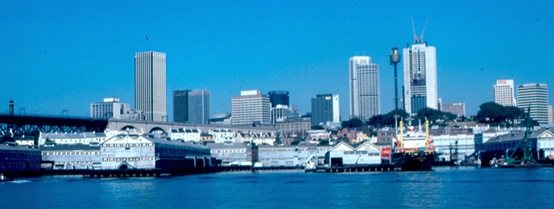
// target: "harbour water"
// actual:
[[444, 187]]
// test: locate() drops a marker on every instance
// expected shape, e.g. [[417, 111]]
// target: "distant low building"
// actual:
[[185, 134], [222, 135], [458, 109], [72, 138], [290, 156], [291, 125]]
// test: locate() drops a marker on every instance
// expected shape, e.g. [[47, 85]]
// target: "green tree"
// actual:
[[353, 123], [513, 113], [490, 112]]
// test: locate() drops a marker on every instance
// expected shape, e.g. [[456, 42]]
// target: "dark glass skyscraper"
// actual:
[[180, 106], [199, 106], [325, 108], [278, 97]]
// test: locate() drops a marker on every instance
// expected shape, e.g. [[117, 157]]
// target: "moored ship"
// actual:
[[413, 150]]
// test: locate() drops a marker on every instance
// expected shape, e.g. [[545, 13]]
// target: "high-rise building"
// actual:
[[199, 106], [420, 77], [458, 109], [249, 108], [504, 93], [535, 97], [180, 106], [325, 108], [150, 85], [364, 88], [278, 98]]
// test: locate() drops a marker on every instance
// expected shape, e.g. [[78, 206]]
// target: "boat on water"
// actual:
[[412, 150]]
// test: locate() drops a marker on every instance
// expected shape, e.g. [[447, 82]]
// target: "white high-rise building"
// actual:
[[504, 93], [420, 78], [364, 88], [535, 97], [150, 85], [250, 107]]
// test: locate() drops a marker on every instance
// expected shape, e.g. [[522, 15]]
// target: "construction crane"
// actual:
[[420, 39]]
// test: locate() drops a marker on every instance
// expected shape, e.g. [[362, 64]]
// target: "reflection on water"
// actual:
[[441, 188]]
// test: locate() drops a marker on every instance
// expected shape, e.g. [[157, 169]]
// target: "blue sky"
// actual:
[[64, 55]]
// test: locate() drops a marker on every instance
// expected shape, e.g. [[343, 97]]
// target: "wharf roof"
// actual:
[[73, 135], [15, 147], [160, 140], [226, 145], [512, 136], [55, 147]]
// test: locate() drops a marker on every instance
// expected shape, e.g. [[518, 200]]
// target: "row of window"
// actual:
[[129, 159], [128, 145], [70, 153], [228, 151], [361, 153], [74, 162]]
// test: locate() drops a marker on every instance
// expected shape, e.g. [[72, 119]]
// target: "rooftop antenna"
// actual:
[[421, 37], [413, 28]]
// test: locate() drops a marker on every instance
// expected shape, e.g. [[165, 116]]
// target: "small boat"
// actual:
[[310, 167]]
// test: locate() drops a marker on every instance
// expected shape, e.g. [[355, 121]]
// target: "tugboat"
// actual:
[[413, 150]]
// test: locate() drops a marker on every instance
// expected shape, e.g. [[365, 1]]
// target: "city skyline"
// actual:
[[73, 57]]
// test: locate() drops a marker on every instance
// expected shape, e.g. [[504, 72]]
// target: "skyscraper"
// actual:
[[199, 106], [420, 77], [535, 97], [325, 108], [250, 107], [364, 88], [180, 106], [150, 85], [504, 92], [278, 98]]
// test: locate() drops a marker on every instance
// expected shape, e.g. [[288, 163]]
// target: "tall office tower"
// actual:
[[534, 96], [180, 106], [325, 108], [150, 85], [249, 108], [504, 93], [278, 98], [364, 88], [420, 77], [199, 106]]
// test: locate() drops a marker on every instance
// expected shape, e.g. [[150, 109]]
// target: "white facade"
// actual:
[[535, 96], [222, 135], [185, 134], [150, 85], [449, 143], [420, 78], [260, 138], [251, 106], [504, 93], [365, 154], [280, 112], [364, 88], [545, 142], [73, 138]]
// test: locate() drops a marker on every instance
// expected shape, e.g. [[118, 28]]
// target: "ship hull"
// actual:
[[414, 161]]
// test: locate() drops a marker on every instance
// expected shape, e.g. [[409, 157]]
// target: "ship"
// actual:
[[412, 150]]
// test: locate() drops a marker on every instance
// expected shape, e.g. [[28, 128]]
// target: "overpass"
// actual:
[[30, 125], [165, 127]]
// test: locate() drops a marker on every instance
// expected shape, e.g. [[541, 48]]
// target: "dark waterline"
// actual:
[[442, 188]]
